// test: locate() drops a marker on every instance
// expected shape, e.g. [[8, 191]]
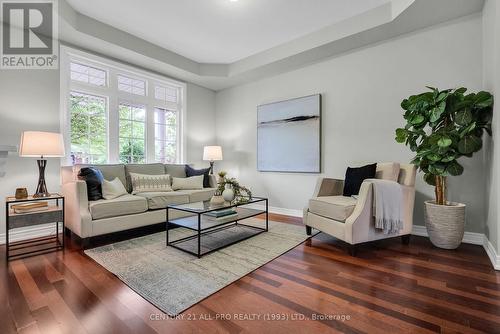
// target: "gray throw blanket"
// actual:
[[388, 197]]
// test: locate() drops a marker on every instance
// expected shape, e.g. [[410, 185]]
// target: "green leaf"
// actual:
[[469, 144], [461, 90], [437, 112], [430, 179], [417, 119], [455, 169], [433, 157], [441, 97], [463, 117], [483, 99], [405, 104], [437, 169], [444, 142], [468, 129], [448, 158]]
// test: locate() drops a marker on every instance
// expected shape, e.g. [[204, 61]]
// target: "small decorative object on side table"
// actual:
[[21, 193], [44, 210]]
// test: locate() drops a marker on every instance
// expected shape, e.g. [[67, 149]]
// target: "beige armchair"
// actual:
[[352, 220]]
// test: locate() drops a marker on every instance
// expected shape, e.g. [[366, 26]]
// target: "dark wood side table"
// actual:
[[36, 246]]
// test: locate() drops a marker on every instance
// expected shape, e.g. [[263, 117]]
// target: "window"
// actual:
[[165, 135], [88, 74], [114, 113], [129, 85], [132, 133], [88, 128], [166, 94]]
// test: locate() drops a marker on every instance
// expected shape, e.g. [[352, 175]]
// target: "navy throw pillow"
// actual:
[[190, 171], [354, 177], [94, 179]]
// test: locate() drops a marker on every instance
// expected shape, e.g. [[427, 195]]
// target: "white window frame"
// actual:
[[115, 97]]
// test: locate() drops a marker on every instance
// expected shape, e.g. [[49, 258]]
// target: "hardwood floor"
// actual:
[[387, 288]]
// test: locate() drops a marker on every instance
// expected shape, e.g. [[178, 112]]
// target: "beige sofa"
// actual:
[[352, 220], [92, 218]]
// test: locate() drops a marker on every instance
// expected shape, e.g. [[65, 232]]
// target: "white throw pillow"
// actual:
[[150, 183], [113, 189], [187, 183]]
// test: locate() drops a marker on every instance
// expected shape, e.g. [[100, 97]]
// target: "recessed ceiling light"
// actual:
[[233, 0]]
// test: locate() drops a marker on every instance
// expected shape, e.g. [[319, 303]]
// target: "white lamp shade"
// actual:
[[37, 144], [212, 153]]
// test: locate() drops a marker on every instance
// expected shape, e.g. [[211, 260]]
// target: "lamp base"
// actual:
[[41, 189], [211, 167]]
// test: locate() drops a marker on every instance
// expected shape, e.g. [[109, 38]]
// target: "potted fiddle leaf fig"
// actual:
[[442, 127]]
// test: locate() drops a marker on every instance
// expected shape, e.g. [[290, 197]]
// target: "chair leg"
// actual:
[[308, 230], [405, 239], [353, 250]]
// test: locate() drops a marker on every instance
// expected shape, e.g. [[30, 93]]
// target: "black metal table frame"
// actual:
[[213, 229], [13, 246]]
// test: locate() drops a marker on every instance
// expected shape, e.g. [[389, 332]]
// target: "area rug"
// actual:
[[173, 280]]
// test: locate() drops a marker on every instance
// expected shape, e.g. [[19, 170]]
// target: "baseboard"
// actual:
[[29, 233], [277, 210], [492, 253], [469, 237]]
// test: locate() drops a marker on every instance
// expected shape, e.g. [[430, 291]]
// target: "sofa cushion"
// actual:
[[338, 208], [388, 171], [148, 169], [199, 195], [190, 171], [175, 170], [188, 183], [120, 206], [142, 183], [113, 189], [354, 177], [93, 179], [160, 200], [110, 172]]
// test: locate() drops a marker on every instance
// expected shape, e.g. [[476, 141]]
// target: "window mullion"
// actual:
[[113, 117]]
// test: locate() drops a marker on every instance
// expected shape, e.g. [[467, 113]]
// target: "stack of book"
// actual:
[[223, 214], [30, 207]]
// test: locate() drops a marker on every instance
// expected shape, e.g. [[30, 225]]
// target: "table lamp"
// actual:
[[212, 153], [41, 145]]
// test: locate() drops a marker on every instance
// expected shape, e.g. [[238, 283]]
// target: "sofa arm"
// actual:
[[77, 214], [360, 222], [328, 187], [212, 180]]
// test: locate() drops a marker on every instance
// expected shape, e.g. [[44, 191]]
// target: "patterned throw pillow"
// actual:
[[149, 183]]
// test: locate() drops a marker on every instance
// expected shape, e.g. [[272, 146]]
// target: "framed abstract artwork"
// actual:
[[289, 135]]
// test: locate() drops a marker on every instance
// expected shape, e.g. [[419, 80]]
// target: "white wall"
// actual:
[[29, 100], [491, 56], [200, 129], [361, 92]]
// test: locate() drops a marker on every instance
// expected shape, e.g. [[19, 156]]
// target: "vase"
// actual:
[[21, 193], [445, 224], [228, 194], [217, 200]]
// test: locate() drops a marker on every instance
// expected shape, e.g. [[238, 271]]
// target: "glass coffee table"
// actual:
[[213, 233]]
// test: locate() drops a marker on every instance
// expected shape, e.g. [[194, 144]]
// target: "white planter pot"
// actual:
[[445, 224]]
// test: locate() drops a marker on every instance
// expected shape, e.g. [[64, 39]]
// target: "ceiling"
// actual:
[[221, 31], [220, 43]]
